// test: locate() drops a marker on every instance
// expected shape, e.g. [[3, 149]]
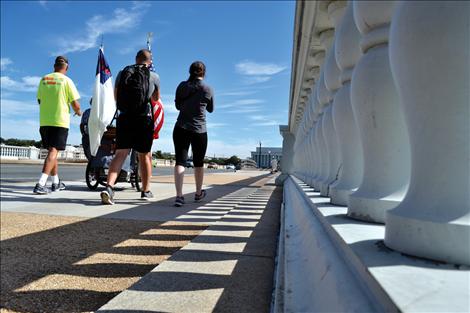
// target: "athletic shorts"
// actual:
[[182, 138], [134, 133], [54, 137]]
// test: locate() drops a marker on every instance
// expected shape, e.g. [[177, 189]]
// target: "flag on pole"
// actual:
[[103, 105], [157, 106]]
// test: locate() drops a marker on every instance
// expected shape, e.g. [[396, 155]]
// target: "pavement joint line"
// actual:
[[226, 253]]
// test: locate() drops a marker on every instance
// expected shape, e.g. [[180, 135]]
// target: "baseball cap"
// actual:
[[61, 60]]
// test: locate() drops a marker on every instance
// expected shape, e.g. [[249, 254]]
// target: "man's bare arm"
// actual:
[[156, 95], [76, 107]]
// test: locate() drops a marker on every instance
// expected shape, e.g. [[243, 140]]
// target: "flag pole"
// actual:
[[149, 40]]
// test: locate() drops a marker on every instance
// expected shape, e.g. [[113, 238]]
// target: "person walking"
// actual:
[[135, 86], [56, 93], [193, 98]]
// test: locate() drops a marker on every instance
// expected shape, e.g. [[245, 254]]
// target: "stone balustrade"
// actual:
[[18, 153], [32, 153], [380, 118]]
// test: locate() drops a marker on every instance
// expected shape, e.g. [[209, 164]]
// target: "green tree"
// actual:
[[233, 160], [21, 142]]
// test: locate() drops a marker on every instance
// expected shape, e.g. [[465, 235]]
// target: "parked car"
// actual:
[[230, 167], [212, 165], [189, 164]]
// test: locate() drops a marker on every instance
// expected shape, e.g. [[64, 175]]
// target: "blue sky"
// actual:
[[246, 47]]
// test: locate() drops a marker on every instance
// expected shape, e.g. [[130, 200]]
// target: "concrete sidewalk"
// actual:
[[221, 251]]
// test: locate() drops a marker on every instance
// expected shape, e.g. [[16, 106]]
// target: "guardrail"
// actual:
[[18, 153]]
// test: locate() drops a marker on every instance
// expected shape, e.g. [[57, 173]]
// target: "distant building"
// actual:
[[263, 159], [248, 163]]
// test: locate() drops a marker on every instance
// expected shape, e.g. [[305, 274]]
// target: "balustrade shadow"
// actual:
[[102, 248], [248, 287]]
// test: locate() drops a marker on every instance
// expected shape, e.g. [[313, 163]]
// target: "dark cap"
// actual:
[[61, 60]]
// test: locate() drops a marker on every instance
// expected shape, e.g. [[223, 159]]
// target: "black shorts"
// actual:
[[134, 133], [54, 137], [182, 138]]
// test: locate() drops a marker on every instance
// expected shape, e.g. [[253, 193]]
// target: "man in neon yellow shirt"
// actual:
[[56, 92]]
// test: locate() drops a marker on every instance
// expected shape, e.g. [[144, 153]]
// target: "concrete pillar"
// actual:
[[287, 165], [332, 82], [323, 99], [320, 153], [307, 143], [316, 150], [375, 102], [347, 52], [430, 58]]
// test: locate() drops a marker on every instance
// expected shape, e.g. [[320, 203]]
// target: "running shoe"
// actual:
[[201, 196], [58, 187], [107, 195], [179, 201], [146, 195], [40, 190]]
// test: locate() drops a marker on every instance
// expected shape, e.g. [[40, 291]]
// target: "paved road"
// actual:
[[68, 172]]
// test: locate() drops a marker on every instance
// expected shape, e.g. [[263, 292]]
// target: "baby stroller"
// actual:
[[97, 168]]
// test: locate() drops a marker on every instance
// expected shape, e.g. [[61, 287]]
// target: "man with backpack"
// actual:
[[135, 86]]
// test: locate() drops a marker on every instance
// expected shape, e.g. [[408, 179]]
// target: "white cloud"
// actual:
[[236, 93], [20, 119], [121, 21], [268, 123], [257, 117], [29, 128], [242, 102], [4, 62], [27, 83], [211, 125], [263, 120], [255, 73], [256, 79], [245, 110], [15, 108], [228, 148], [258, 69]]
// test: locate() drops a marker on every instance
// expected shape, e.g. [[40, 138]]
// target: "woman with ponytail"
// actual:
[[193, 98]]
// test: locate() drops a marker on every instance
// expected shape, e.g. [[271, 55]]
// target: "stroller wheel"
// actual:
[[135, 176], [135, 182], [92, 180]]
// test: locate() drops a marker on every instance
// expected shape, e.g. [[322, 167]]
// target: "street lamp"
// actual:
[[259, 155], [269, 159]]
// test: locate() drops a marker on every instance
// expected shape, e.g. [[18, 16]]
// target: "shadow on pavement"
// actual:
[[245, 288], [81, 264]]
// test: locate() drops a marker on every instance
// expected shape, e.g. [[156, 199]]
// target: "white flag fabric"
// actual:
[[103, 105]]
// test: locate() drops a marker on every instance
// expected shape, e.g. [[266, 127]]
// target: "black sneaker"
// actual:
[[40, 190], [201, 196], [107, 195], [179, 201], [146, 195], [58, 187]]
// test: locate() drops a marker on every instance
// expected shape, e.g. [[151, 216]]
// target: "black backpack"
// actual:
[[133, 90]]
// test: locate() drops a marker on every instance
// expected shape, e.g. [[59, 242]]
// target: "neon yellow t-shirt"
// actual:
[[55, 92]]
